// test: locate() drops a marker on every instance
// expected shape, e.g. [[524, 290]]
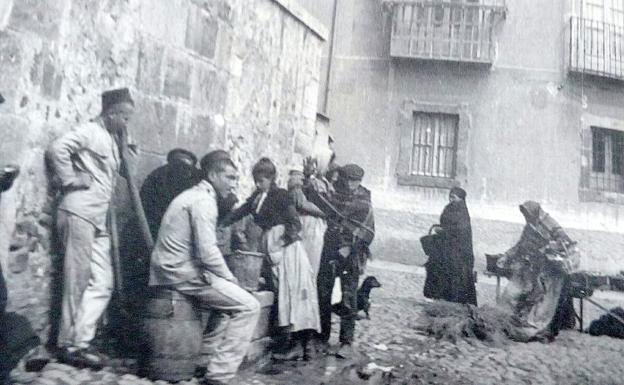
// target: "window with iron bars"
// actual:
[[434, 145], [607, 157]]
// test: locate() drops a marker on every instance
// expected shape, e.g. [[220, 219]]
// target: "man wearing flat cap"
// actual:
[[87, 162], [350, 231]]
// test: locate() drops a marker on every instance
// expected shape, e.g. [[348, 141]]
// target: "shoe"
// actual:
[[308, 352], [321, 347], [292, 354], [345, 351], [200, 371], [82, 358]]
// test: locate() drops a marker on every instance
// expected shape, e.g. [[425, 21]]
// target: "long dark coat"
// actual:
[[457, 251]]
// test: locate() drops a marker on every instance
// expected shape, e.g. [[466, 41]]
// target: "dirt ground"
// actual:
[[393, 351]]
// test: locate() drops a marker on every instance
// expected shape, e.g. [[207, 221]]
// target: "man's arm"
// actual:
[[204, 227], [60, 153]]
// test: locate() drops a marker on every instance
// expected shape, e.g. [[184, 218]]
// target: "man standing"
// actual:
[[186, 258], [87, 161], [165, 183], [349, 234]]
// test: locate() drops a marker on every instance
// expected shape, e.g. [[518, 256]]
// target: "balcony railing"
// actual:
[[455, 30], [596, 48]]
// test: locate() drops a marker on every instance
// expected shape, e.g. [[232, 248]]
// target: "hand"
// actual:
[[82, 181], [344, 251]]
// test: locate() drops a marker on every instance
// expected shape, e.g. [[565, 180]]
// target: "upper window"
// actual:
[[596, 33], [607, 157], [457, 30]]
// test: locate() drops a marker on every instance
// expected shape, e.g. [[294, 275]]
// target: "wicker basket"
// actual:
[[491, 266], [490, 262]]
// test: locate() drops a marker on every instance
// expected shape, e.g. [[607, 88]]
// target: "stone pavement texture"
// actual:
[[389, 342]]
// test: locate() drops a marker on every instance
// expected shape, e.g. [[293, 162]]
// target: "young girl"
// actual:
[[297, 298]]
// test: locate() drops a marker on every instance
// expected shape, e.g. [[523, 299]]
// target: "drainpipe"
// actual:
[[330, 56]]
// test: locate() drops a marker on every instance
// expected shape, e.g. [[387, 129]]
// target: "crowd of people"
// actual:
[[317, 228]]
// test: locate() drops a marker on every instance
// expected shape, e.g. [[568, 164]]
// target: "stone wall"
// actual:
[[205, 74]]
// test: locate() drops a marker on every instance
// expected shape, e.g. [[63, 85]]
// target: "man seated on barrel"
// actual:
[[186, 258]]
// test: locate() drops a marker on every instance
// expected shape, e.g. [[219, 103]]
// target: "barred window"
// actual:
[[607, 158], [434, 145]]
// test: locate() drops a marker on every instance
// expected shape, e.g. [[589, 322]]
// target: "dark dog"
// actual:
[[363, 297]]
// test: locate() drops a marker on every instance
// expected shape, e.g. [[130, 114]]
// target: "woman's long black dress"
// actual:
[[457, 252]]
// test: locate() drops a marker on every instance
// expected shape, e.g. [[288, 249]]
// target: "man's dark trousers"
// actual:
[[325, 285], [333, 265]]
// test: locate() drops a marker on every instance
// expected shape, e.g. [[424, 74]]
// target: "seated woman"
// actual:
[[297, 299], [456, 248], [540, 263]]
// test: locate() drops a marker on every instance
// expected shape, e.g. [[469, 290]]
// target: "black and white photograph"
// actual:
[[311, 192]]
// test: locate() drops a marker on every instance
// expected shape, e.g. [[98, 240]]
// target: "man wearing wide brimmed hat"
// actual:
[[87, 161]]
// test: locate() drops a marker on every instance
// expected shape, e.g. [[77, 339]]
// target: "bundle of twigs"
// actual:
[[452, 322]]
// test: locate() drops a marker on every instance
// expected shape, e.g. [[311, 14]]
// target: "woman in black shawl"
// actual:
[[456, 243]]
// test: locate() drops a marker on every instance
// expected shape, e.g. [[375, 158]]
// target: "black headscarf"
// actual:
[[459, 192]]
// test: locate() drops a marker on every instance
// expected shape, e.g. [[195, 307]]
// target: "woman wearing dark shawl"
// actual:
[[537, 292], [456, 249]]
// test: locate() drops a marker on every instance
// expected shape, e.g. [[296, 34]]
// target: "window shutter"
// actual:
[[405, 148]]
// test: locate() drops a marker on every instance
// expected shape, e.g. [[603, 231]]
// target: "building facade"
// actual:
[[509, 100]]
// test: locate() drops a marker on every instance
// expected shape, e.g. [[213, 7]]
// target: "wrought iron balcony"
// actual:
[[596, 48], [454, 30]]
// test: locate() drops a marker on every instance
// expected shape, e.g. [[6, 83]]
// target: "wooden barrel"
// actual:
[[246, 267], [172, 329]]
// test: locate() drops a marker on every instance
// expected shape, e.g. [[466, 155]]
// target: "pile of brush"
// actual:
[[452, 321]]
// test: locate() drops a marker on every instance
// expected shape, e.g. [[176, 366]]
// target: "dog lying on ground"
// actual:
[[363, 297]]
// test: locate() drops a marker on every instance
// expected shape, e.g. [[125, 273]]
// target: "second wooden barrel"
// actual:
[[172, 329]]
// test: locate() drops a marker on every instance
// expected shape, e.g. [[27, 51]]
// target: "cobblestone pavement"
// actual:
[[389, 342]]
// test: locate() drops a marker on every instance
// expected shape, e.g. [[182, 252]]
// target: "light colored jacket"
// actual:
[[87, 153], [186, 247]]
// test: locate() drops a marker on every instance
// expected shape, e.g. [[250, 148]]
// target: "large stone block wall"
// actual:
[[236, 74]]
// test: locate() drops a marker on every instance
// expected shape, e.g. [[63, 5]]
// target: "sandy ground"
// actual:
[[392, 351]]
